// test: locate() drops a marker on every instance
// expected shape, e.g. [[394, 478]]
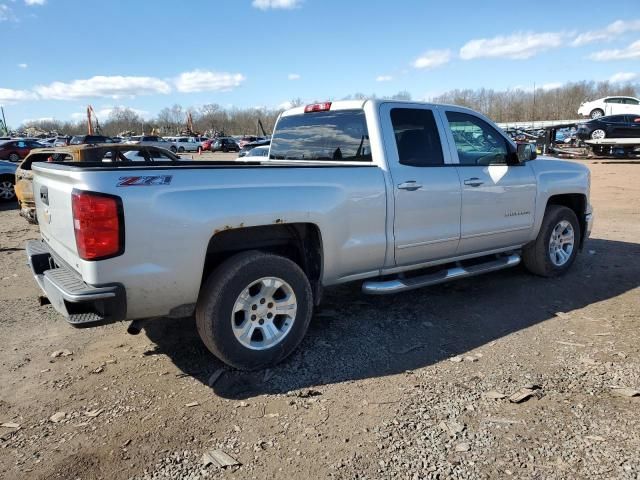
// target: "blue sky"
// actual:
[[60, 55]]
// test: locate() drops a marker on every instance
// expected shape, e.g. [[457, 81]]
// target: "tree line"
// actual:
[[513, 105]]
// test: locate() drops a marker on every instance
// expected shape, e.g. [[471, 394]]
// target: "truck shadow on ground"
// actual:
[[355, 336]]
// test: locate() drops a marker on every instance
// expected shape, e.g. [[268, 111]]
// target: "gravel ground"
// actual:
[[418, 385]]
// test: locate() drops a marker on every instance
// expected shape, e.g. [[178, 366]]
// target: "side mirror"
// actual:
[[526, 152]]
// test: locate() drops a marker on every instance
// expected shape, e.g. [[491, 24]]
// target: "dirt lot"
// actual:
[[396, 387]]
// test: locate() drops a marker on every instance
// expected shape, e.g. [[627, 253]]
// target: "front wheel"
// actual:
[[254, 310], [14, 157], [181, 149], [173, 149], [596, 113], [554, 250]]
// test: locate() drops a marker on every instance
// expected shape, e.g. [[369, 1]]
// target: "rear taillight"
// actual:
[[98, 222], [317, 107]]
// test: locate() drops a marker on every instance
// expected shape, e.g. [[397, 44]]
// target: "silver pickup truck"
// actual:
[[398, 195]]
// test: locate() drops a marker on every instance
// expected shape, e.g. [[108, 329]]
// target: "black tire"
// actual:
[[7, 190], [596, 113], [224, 150], [14, 157], [173, 149], [218, 296], [181, 149], [536, 256]]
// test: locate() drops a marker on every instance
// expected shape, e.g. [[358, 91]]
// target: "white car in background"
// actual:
[[187, 144], [257, 153], [610, 106]]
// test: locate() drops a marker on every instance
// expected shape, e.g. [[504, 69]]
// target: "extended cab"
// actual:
[[398, 195]]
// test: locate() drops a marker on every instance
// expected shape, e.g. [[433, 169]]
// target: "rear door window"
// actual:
[[322, 136], [417, 137]]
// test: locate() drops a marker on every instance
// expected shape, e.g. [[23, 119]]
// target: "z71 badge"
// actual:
[[145, 181]]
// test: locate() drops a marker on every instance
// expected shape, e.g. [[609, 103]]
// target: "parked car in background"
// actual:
[[152, 141], [257, 153], [225, 145], [61, 141], [116, 152], [613, 126], [246, 150], [187, 144], [89, 139], [7, 181], [15, 150], [610, 106], [247, 139], [47, 142]]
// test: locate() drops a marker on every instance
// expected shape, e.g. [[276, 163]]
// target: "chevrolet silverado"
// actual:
[[398, 195]]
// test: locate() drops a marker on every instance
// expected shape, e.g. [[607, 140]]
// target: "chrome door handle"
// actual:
[[473, 182], [410, 185]]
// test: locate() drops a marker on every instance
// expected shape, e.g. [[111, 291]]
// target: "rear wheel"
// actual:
[[173, 149], [254, 310], [7, 190], [556, 246], [181, 149], [596, 113], [14, 157], [598, 134]]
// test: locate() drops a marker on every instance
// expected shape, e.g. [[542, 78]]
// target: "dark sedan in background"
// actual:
[[612, 126], [225, 145]]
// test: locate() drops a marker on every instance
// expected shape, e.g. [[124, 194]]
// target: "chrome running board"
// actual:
[[396, 285]]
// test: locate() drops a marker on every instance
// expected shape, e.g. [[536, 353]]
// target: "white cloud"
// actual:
[[551, 85], [631, 52], [622, 77], [103, 86], [610, 32], [432, 59], [8, 95], [37, 120], [284, 4], [23, 65], [206, 81], [384, 78], [294, 76], [35, 2], [517, 46], [6, 14]]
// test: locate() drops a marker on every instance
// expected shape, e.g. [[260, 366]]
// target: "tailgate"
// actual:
[[52, 189]]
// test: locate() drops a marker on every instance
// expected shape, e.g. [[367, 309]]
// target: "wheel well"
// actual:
[[576, 202], [300, 242]]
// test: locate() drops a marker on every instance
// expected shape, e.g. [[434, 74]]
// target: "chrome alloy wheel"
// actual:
[[7, 191], [264, 313], [561, 243], [598, 134]]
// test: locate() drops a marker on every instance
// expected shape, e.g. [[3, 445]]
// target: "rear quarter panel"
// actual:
[[168, 227]]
